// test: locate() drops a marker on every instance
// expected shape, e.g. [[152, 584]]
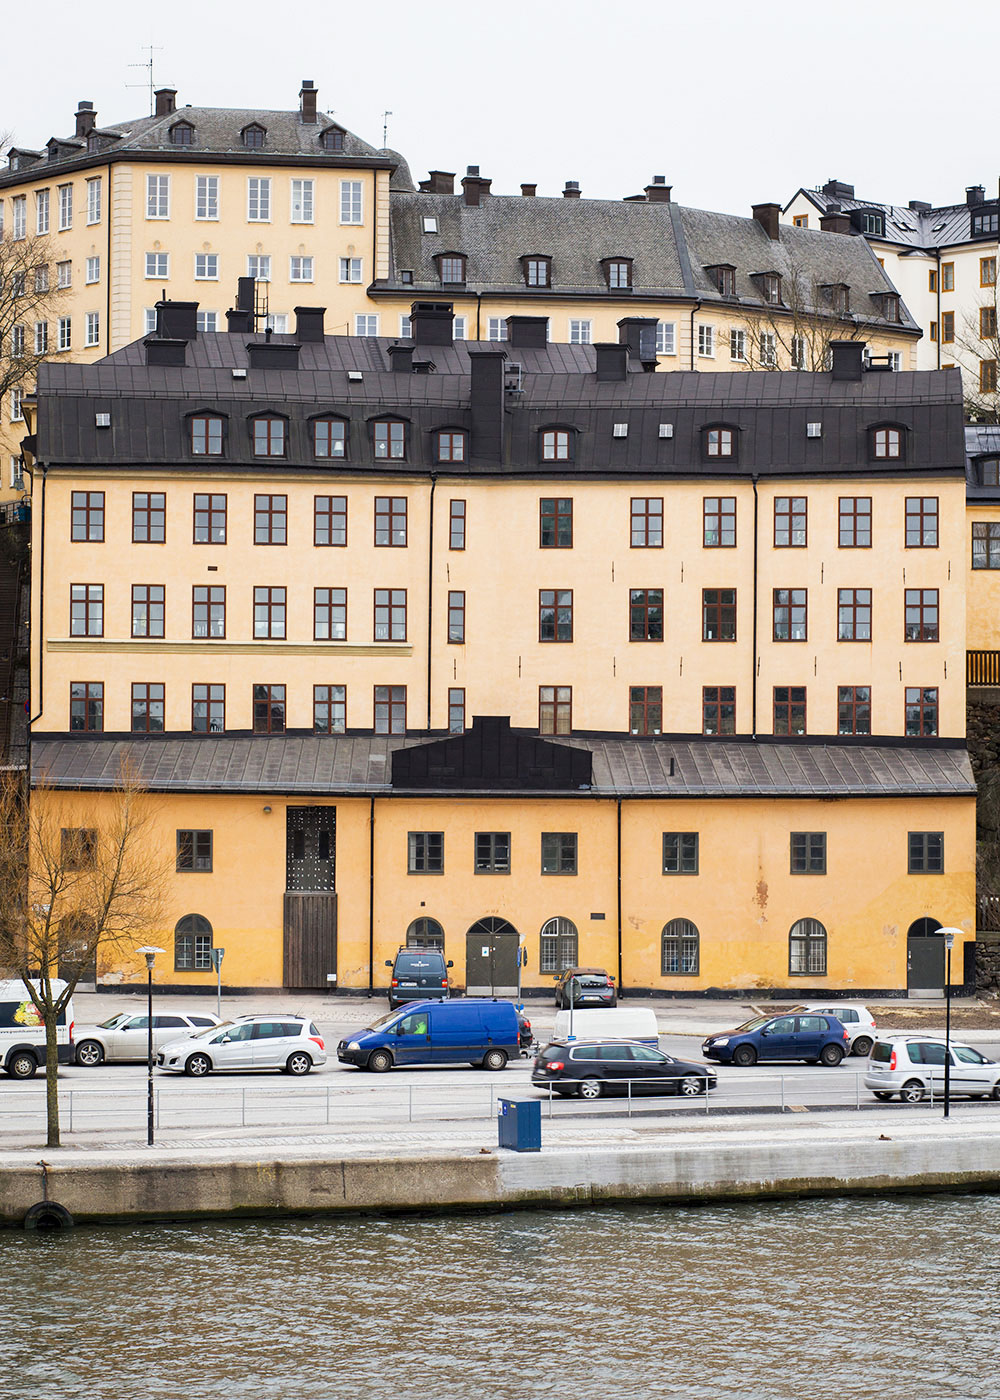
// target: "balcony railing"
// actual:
[[982, 668]]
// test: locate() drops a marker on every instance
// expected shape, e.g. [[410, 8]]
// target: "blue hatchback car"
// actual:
[[813, 1038]]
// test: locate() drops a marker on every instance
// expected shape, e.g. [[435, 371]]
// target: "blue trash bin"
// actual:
[[519, 1124]]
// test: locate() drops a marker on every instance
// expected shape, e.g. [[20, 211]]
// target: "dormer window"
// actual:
[[871, 222], [451, 445], [207, 434], [389, 440], [888, 305], [719, 441], [332, 139], [770, 287], [329, 437], [557, 444], [269, 434], [254, 136], [724, 277], [838, 294], [989, 471], [537, 270], [617, 273], [53, 149], [182, 134], [985, 221], [888, 443], [451, 268], [94, 143]]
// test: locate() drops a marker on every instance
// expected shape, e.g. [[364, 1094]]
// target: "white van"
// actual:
[[612, 1022], [22, 1034]]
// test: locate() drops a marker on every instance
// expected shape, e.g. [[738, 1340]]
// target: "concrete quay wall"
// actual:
[[127, 1188]]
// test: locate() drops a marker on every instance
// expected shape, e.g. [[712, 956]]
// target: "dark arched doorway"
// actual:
[[491, 949], [924, 959]]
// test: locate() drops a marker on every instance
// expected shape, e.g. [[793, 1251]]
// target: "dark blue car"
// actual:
[[813, 1038]]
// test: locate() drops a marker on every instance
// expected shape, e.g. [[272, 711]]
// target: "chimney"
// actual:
[[239, 322], [659, 191], [572, 189], [245, 294], [441, 182], [166, 101], [486, 403], [86, 118], [309, 324], [919, 206], [401, 358], [974, 194], [835, 222], [177, 320], [165, 352], [432, 323], [528, 332], [307, 102], [529, 191], [767, 216], [612, 361], [474, 188], [639, 334], [268, 354], [837, 189], [848, 358]]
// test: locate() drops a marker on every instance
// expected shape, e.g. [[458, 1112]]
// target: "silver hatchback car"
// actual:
[[912, 1066], [126, 1036], [292, 1044]]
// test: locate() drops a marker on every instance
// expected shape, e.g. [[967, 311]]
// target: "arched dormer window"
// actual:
[[254, 136], [719, 442], [450, 445], [207, 434], [389, 439], [537, 270], [451, 268], [887, 442], [329, 437], [557, 444], [332, 139], [617, 273], [182, 134], [269, 435]]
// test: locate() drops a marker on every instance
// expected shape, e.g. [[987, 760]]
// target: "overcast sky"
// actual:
[[732, 102]]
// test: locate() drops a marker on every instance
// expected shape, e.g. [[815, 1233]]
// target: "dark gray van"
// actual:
[[418, 974]]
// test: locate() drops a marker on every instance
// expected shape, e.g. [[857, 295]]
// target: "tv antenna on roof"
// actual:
[[151, 49], [385, 129]]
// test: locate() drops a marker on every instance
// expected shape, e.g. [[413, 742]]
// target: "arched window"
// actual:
[[718, 441], [807, 949], [425, 933], [557, 444], [253, 136], [192, 944], [887, 443], [680, 948], [558, 945]]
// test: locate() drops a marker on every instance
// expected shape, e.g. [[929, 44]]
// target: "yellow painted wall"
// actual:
[[983, 622]]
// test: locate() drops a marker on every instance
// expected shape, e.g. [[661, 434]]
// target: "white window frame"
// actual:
[[666, 337], [303, 201], [93, 323], [149, 320], [207, 322], [64, 273], [41, 211], [300, 268], [17, 342], [157, 196], [153, 271], [206, 260], [65, 207], [367, 319], [206, 198], [16, 411], [768, 350], [16, 478], [706, 342], [41, 337], [580, 330], [351, 202], [65, 332], [258, 199], [93, 270], [259, 266], [19, 217], [42, 277], [405, 329], [276, 321], [94, 200], [348, 268], [460, 328], [496, 328], [798, 352], [738, 345]]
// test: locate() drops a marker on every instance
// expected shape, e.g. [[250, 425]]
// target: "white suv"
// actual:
[[913, 1066], [276, 1040], [856, 1019]]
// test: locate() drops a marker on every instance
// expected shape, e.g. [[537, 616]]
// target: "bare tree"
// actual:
[[30, 296], [977, 353], [796, 332], [70, 895]]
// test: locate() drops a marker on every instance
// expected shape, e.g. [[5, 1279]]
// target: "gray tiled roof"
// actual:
[[918, 228], [641, 768]]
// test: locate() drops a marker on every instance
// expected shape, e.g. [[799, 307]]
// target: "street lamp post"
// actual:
[[949, 943], [150, 955]]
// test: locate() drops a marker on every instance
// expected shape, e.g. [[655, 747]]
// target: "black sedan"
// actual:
[[590, 1068]]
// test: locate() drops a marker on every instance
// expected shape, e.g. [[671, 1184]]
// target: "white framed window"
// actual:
[[798, 352], [93, 270], [94, 201], [737, 345], [429, 223], [41, 211], [16, 479], [350, 202], [579, 332], [496, 328], [158, 265], [666, 337], [895, 360], [208, 322], [258, 200], [17, 342], [350, 269], [259, 266], [19, 216], [93, 336], [64, 274], [459, 328], [42, 277], [149, 320], [768, 350], [206, 267], [405, 329], [706, 342], [41, 337], [365, 325], [157, 196], [65, 333], [16, 412], [276, 321], [206, 197], [302, 201], [65, 207], [300, 270]]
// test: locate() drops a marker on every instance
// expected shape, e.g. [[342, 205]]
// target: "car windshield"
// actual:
[[115, 1021], [755, 1024], [389, 1019], [197, 1035]]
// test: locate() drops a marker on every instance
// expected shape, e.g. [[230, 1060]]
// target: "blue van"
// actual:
[[473, 1030]]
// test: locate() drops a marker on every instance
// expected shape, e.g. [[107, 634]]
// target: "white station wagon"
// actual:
[[126, 1037]]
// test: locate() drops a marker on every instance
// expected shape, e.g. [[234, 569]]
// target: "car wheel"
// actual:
[[882, 1094], [494, 1059], [298, 1063], [996, 1091], [590, 1089], [744, 1056], [862, 1046], [692, 1084], [22, 1065], [380, 1061], [912, 1091], [197, 1066], [90, 1053], [831, 1056]]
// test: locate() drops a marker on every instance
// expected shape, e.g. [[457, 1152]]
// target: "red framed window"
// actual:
[[208, 709], [390, 521], [718, 709], [555, 614], [330, 614], [269, 612], [921, 522], [790, 621], [456, 525], [329, 437], [330, 520], [209, 519], [854, 709], [86, 610], [719, 522], [887, 444], [451, 446], [456, 710], [921, 711], [390, 709], [555, 522], [557, 445], [645, 615], [87, 516], [208, 610], [789, 709], [555, 709], [206, 435], [718, 614], [390, 614], [148, 609], [148, 705], [149, 517], [270, 519], [790, 522], [922, 615], [646, 522], [269, 709], [86, 707], [270, 435], [329, 709], [854, 614], [855, 522], [389, 440], [456, 615], [645, 709]]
